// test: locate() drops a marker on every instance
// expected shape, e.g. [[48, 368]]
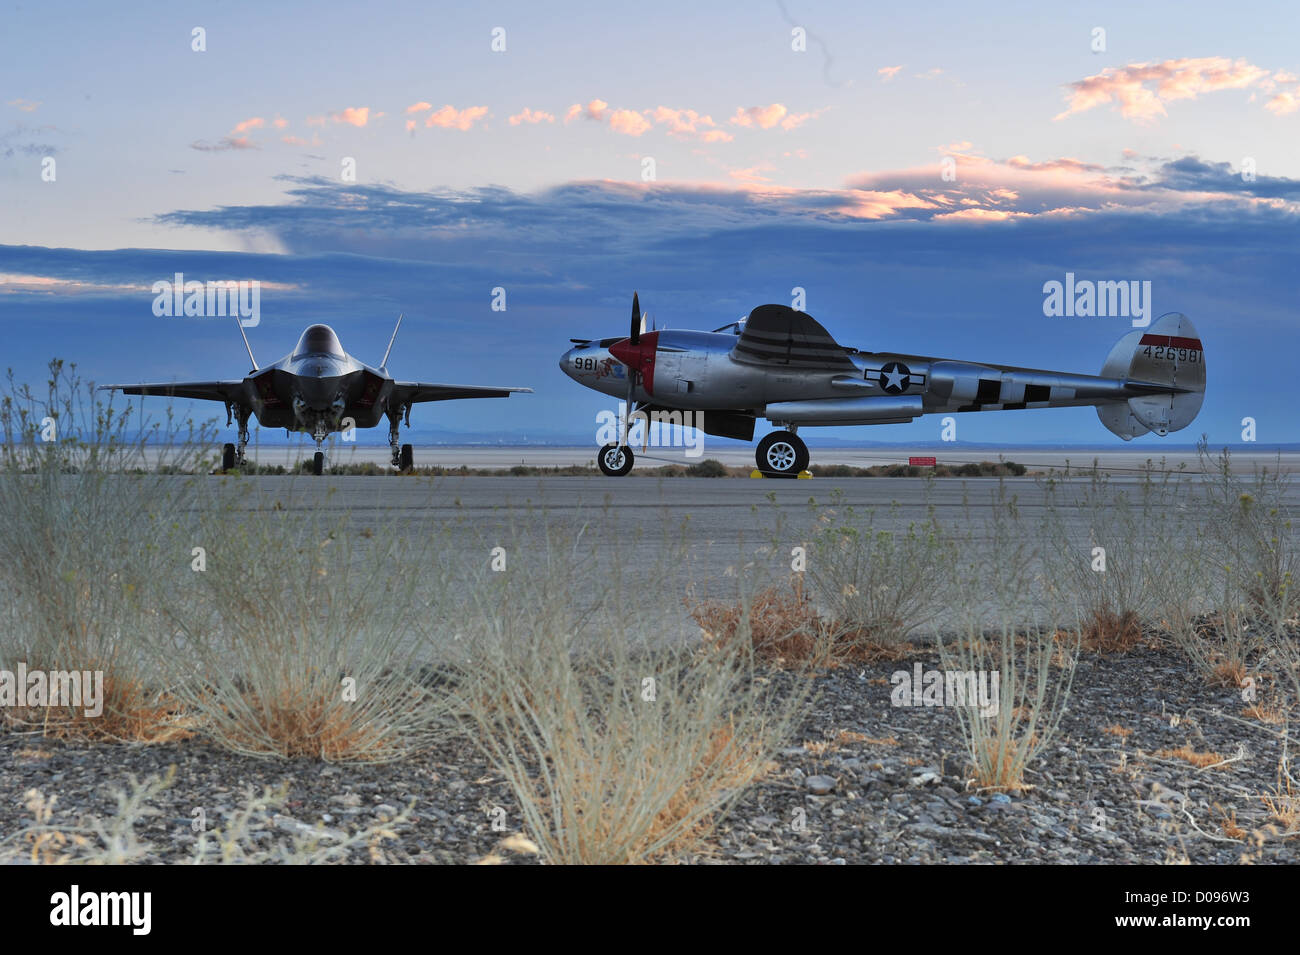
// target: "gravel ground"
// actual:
[[861, 782]]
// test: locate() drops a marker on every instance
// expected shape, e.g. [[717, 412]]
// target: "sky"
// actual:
[[918, 171]]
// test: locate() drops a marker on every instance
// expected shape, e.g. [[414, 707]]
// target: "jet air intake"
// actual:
[[877, 409]]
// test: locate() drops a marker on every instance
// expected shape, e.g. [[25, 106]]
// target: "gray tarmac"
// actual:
[[701, 537]]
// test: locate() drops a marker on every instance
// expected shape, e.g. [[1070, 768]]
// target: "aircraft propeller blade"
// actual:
[[635, 336]]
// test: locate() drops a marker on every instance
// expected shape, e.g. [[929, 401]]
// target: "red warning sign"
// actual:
[[922, 462]]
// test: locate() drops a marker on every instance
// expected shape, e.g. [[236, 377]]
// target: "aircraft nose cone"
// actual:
[[566, 362]]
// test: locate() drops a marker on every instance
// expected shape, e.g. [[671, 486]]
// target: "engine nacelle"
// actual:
[[877, 409]]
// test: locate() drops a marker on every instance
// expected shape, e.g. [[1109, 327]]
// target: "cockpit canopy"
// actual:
[[318, 340]]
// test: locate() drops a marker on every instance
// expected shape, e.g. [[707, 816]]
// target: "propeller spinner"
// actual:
[[637, 352]]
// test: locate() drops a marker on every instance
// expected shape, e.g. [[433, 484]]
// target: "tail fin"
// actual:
[[1168, 355], [384, 363], [247, 346]]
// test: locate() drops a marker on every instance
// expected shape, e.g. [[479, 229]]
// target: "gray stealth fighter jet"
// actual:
[[317, 389], [782, 365]]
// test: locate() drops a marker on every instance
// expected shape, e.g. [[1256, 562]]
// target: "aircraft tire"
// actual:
[[227, 457], [614, 461], [318, 463], [783, 453], [407, 461]]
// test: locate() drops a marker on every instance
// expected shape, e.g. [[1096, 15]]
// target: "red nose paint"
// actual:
[[639, 358]]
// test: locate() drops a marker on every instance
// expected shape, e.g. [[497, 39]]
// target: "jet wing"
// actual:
[[780, 336], [412, 391], [228, 391]]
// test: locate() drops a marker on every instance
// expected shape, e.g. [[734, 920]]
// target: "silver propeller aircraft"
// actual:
[[317, 389], [782, 365]]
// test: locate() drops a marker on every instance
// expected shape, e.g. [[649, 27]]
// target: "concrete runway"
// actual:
[[702, 535], [1116, 459]]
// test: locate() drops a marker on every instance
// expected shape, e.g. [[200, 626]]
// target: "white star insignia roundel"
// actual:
[[894, 377]]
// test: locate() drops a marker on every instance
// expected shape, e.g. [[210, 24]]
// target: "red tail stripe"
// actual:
[[1172, 341]]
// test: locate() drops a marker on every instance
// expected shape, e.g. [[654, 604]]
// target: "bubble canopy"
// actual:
[[318, 340]]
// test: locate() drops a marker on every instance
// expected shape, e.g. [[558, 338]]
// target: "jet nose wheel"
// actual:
[[614, 461], [406, 458], [782, 452], [318, 463], [227, 457]]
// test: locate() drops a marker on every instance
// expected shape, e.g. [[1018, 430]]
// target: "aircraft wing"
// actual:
[[208, 390], [780, 336], [413, 391]]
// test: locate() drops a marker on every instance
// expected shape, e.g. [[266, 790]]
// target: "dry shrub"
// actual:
[[1031, 701], [1123, 732], [619, 747], [1107, 631], [780, 626]]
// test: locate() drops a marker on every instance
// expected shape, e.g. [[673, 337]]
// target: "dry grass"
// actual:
[[782, 628], [1270, 713], [1123, 732], [1189, 755]]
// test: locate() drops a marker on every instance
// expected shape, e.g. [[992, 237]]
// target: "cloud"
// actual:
[[279, 122], [628, 122], [419, 107], [1141, 90], [352, 115], [316, 120], [531, 117], [299, 141], [689, 124], [764, 117], [449, 117], [26, 105], [244, 125], [593, 110], [224, 144], [887, 73], [1287, 101]]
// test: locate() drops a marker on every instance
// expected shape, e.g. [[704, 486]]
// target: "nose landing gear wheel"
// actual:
[[407, 459], [614, 461], [782, 452], [318, 463], [227, 457]]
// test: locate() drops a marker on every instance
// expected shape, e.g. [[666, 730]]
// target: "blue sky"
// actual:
[[919, 171]]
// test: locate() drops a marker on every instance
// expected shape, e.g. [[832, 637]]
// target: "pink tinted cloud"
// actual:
[[449, 117], [279, 122], [531, 117], [595, 109], [764, 117], [243, 126], [26, 105], [1141, 90], [628, 122], [419, 107], [352, 115], [887, 73]]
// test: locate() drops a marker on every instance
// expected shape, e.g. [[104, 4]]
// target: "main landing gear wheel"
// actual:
[[227, 457], [782, 452], [318, 463], [614, 461], [406, 460]]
